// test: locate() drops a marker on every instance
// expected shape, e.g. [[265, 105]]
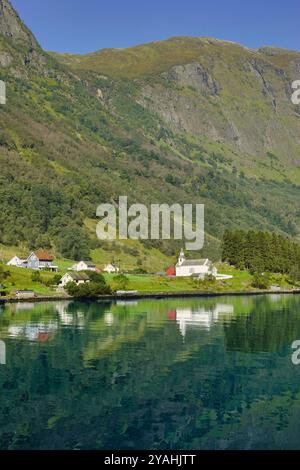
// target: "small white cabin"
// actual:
[[83, 266], [81, 278], [16, 261], [111, 269]]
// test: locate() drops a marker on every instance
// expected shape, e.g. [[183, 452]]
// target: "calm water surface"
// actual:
[[162, 374]]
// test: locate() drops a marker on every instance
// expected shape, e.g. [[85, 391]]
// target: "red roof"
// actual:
[[171, 271], [44, 255]]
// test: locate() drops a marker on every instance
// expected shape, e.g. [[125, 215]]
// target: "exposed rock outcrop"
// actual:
[[12, 27]]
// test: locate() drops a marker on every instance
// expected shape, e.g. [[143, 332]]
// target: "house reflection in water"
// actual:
[[24, 306], [202, 318], [109, 318], [69, 319], [126, 303], [45, 330], [40, 332]]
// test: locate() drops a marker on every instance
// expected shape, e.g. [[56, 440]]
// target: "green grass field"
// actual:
[[145, 283], [21, 279], [153, 283]]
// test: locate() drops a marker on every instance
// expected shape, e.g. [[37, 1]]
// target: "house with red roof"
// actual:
[[40, 259]]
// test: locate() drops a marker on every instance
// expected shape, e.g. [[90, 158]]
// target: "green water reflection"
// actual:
[[210, 373]]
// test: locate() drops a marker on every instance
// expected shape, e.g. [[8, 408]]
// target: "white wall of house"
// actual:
[[200, 268], [15, 261], [33, 262], [83, 266], [45, 264], [65, 280], [68, 278], [110, 268], [185, 271]]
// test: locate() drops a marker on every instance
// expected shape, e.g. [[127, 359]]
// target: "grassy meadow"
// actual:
[[20, 278]]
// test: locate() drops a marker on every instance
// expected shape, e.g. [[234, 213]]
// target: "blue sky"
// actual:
[[87, 25]]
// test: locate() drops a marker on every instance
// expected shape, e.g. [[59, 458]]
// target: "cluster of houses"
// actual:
[[77, 272], [39, 259], [89, 266]]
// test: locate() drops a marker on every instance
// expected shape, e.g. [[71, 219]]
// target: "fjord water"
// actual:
[[202, 373]]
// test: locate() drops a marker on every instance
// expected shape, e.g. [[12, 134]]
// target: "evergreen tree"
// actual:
[[260, 251]]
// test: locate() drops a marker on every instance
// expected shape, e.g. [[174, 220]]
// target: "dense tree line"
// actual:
[[260, 251]]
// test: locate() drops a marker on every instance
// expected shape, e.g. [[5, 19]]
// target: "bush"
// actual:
[[88, 289], [4, 274], [51, 281], [209, 278], [71, 288], [137, 271], [261, 281], [96, 277], [56, 279], [36, 276], [294, 275]]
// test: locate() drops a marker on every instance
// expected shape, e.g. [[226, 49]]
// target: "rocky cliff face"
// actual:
[[12, 28], [244, 103], [19, 50], [229, 97]]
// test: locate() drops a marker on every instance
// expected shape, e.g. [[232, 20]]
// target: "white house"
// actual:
[[83, 266], [81, 278], [40, 259], [194, 267], [111, 269], [16, 261]]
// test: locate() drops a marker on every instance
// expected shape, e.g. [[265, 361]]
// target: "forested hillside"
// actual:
[[261, 251], [211, 124]]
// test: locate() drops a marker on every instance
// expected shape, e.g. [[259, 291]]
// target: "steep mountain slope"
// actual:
[[218, 92], [159, 123], [12, 27]]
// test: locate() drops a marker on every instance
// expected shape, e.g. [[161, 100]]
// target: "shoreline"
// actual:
[[148, 295]]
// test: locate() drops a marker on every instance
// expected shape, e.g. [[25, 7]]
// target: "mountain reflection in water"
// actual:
[[201, 373]]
